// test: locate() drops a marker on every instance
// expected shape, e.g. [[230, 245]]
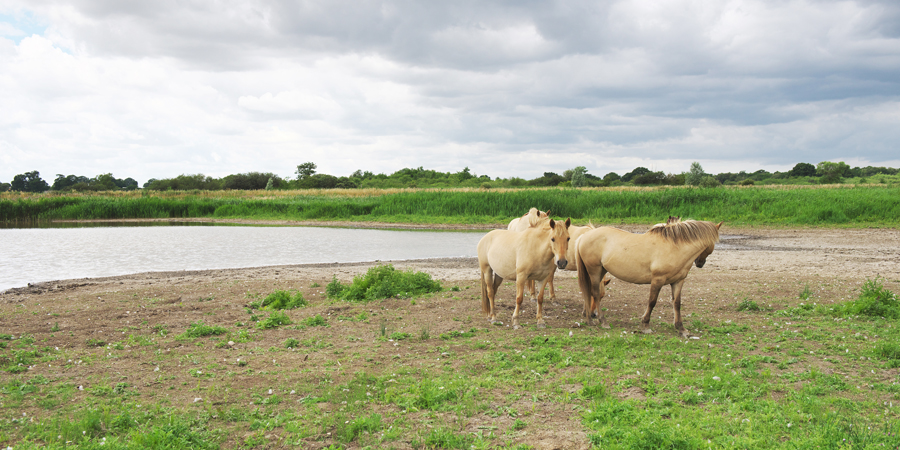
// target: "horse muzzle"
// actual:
[[561, 264], [700, 263]]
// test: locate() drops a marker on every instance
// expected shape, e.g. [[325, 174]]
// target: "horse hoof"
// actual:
[[541, 325]]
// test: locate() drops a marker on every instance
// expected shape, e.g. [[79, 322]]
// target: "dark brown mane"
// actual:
[[687, 231]]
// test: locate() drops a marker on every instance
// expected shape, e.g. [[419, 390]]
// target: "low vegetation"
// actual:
[[779, 366]]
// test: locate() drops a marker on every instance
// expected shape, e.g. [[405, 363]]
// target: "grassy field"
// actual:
[[222, 367], [840, 205]]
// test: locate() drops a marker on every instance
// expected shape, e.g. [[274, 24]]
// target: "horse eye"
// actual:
[[552, 239], [568, 239]]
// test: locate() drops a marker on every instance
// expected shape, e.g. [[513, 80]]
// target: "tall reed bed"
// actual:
[[837, 205]]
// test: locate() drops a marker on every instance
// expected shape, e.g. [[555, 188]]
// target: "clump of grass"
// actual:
[[874, 301], [275, 320], [383, 282], [748, 305], [291, 343], [806, 293], [281, 300], [200, 329], [314, 321], [398, 336]]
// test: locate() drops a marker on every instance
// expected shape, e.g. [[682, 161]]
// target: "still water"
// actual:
[[31, 255]]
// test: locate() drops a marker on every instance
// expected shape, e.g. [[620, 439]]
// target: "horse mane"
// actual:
[[536, 217], [687, 231]]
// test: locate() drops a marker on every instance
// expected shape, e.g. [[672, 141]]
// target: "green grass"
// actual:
[[845, 205], [383, 282], [281, 300]]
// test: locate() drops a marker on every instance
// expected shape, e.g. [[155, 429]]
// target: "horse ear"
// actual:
[[568, 222], [546, 214], [720, 224], [552, 223], [607, 280]]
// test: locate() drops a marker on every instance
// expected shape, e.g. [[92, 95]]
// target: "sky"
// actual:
[[155, 89]]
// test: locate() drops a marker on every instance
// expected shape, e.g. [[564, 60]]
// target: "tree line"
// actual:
[[307, 177]]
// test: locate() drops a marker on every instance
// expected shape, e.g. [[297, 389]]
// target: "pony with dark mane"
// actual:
[[663, 255]]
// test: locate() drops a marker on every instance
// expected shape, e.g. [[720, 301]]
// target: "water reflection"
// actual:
[[43, 254]]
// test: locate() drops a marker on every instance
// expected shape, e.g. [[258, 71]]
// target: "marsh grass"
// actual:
[[844, 205]]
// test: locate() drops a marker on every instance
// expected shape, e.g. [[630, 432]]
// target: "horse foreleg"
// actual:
[[521, 282], [552, 290], [655, 286], [676, 308], [540, 305], [490, 282]]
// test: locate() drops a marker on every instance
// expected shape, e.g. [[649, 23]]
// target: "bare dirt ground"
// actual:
[[769, 266]]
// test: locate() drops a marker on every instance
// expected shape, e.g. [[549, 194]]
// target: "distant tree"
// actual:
[[578, 176], [611, 178], [464, 175], [319, 181], [127, 184], [184, 183], [649, 178], [635, 173], [270, 185], [803, 170], [4, 187], [104, 182], [549, 179], [305, 170], [693, 176], [832, 172], [29, 182], [63, 182], [251, 181], [709, 181]]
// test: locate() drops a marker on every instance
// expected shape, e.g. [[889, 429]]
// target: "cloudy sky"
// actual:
[[154, 89]]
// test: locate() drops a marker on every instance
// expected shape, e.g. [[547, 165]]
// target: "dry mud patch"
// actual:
[[768, 266]]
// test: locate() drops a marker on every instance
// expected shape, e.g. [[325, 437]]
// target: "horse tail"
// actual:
[[584, 278], [485, 301]]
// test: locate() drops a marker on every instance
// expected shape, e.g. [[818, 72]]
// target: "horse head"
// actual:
[[701, 260], [559, 241]]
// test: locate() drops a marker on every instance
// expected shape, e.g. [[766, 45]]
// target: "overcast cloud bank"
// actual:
[[157, 89]]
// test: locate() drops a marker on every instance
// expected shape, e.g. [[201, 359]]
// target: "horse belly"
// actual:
[[503, 262]]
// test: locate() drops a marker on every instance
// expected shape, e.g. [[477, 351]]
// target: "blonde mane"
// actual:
[[536, 217], [687, 231]]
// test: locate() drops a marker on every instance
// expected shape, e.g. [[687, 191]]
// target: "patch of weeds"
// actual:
[[314, 321], [398, 336], [206, 299], [275, 320], [728, 328], [200, 329], [94, 342], [748, 305], [459, 334], [454, 289], [447, 438], [519, 424], [349, 430], [291, 343], [806, 293], [889, 352], [874, 301], [281, 300], [55, 327], [314, 285], [424, 334], [160, 329], [382, 282]]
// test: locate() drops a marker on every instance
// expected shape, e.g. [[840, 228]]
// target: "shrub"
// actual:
[[874, 301], [283, 300], [275, 320], [383, 282], [200, 329]]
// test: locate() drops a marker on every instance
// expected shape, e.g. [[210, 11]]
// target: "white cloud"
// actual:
[[155, 89]]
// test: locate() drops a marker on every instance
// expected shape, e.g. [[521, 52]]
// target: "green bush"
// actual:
[[282, 300], [200, 329], [874, 301], [275, 320], [383, 282]]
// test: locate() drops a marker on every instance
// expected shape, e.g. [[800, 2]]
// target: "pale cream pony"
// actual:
[[663, 255], [529, 255]]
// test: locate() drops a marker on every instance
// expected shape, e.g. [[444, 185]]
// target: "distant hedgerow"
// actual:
[[383, 282]]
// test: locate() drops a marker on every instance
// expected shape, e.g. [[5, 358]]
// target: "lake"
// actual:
[[32, 255]]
